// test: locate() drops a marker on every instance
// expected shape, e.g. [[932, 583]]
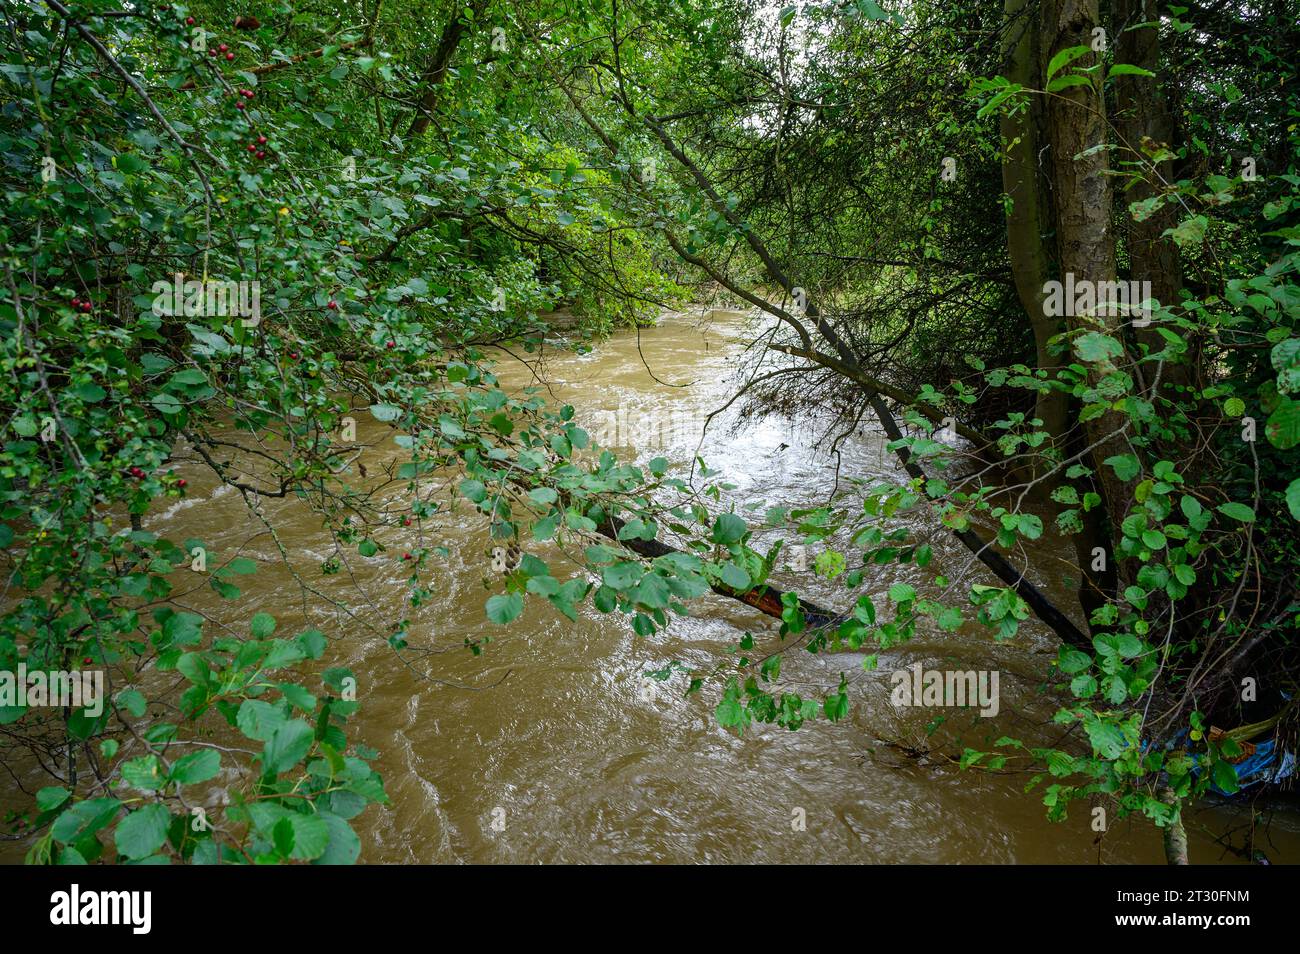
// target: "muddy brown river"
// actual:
[[552, 746]]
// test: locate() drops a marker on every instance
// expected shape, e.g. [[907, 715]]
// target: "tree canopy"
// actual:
[[1048, 248]]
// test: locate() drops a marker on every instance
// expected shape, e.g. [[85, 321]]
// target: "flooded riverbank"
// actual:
[[553, 746]]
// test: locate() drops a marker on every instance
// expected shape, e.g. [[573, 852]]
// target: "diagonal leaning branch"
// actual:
[[1047, 611], [1038, 601]]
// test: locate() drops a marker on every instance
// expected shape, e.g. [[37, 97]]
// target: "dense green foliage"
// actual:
[[603, 156]]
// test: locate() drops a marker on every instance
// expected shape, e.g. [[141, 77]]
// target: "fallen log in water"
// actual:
[[766, 598]]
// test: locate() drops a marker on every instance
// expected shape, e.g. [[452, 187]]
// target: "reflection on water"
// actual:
[[553, 747]]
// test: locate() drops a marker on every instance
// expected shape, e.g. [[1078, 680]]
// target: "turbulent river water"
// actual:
[[554, 734]]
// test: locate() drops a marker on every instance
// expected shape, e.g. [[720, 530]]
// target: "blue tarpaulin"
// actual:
[[1262, 765]]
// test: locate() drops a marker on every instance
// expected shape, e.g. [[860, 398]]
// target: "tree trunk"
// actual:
[[436, 72], [1029, 225], [1143, 120], [1082, 201], [1028, 222], [1175, 836]]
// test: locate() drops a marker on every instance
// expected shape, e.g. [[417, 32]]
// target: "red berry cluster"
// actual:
[[83, 306], [255, 146]]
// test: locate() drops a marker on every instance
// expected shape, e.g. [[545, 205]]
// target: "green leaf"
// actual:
[[622, 576], [1065, 82], [288, 744], [1283, 425], [344, 846], [1225, 776], [1189, 232], [735, 577], [132, 701], [51, 797], [1293, 498], [311, 836], [1073, 661], [313, 643], [90, 392], [1237, 511], [142, 832], [504, 608], [84, 818], [543, 496], [1095, 346], [836, 706], [196, 767], [258, 720], [902, 592], [282, 836], [728, 528], [653, 591], [605, 599], [143, 773], [1154, 539], [1106, 739], [242, 566], [1029, 525], [188, 378], [1126, 466], [1128, 69], [1084, 686], [1064, 58]]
